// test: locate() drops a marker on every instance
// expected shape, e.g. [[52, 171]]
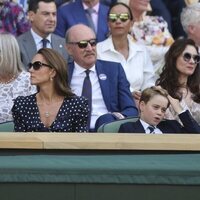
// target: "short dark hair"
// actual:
[[33, 4]]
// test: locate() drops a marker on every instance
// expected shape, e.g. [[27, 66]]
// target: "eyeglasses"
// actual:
[[123, 17], [37, 65], [187, 57], [84, 43]]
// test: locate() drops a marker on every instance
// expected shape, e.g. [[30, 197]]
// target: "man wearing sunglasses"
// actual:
[[89, 12], [109, 91], [42, 15]]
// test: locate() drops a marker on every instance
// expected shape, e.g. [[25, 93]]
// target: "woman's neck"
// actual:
[[138, 16]]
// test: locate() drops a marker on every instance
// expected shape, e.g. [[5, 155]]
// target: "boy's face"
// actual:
[[154, 110]]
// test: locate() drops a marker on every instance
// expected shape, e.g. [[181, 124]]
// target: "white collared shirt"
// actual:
[[146, 128], [38, 39], [138, 67], [98, 104]]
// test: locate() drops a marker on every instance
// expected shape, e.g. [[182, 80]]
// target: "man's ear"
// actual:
[[191, 29], [69, 49], [141, 106], [31, 15]]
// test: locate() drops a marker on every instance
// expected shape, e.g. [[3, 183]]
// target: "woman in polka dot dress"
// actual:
[[54, 108]]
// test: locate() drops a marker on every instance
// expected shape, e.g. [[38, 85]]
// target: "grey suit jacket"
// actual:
[[28, 47]]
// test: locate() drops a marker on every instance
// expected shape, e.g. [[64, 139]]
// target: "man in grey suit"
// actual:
[[42, 15]]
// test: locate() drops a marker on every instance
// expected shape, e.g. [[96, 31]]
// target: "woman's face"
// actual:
[[119, 21], [139, 5], [42, 74], [186, 62]]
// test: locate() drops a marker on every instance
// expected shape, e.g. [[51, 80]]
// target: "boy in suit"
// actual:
[[153, 104]]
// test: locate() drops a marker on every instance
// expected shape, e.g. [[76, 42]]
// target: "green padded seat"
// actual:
[[7, 126]]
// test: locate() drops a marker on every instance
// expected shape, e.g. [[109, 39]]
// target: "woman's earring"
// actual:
[[51, 78]]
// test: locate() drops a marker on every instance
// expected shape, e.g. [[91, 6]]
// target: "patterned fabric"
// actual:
[[72, 115], [19, 87], [13, 19]]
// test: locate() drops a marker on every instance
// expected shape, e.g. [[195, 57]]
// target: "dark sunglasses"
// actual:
[[187, 57], [123, 17], [37, 65], [84, 43]]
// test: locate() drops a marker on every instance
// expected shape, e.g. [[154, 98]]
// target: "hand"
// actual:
[[175, 104], [137, 95], [118, 115]]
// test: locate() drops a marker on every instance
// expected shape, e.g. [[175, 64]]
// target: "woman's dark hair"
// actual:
[[169, 78], [123, 4], [54, 59]]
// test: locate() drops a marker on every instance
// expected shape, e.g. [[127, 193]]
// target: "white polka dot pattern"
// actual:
[[72, 115]]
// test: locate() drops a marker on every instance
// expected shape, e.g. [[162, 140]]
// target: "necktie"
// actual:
[[89, 12], [151, 128], [87, 92], [44, 42]]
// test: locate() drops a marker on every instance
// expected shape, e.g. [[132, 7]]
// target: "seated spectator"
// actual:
[[153, 105], [180, 77], [104, 83], [190, 19], [14, 81], [151, 31], [119, 47], [42, 15], [13, 18], [90, 13], [54, 108]]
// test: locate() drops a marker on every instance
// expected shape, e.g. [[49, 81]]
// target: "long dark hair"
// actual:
[[169, 78]]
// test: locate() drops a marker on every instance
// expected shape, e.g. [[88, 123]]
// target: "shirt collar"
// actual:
[[96, 7], [81, 70], [145, 125], [38, 38]]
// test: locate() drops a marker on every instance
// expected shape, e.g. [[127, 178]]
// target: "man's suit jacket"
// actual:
[[28, 47], [114, 87], [74, 13], [166, 126]]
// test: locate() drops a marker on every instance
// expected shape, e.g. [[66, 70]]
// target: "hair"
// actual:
[[61, 82], [123, 4], [169, 78], [10, 59], [190, 15], [149, 93], [34, 4]]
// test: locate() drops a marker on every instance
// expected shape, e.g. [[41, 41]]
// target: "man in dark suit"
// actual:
[[42, 14], [109, 91], [77, 12], [153, 104]]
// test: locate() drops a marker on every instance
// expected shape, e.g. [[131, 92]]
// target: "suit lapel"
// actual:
[[70, 70], [104, 84], [29, 45], [138, 128]]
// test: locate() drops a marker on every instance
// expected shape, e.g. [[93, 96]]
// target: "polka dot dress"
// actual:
[[72, 115]]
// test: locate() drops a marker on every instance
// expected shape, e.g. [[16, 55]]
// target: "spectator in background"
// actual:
[[190, 19], [120, 47], [42, 14], [14, 81], [54, 108], [107, 87], [181, 77], [89, 12], [170, 11], [153, 105], [150, 31], [12, 18]]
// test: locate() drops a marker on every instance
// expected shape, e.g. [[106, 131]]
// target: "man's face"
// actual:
[[193, 33], [44, 20], [85, 57], [154, 110]]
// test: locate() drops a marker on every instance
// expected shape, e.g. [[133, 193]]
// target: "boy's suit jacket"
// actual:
[[166, 126], [114, 87], [28, 47], [74, 13]]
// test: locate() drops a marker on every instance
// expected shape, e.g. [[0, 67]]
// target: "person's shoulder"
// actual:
[[57, 37], [24, 100], [79, 100], [23, 35], [106, 62], [68, 6]]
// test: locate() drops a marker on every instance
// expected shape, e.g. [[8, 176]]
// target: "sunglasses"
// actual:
[[37, 65], [84, 43], [187, 57], [123, 17]]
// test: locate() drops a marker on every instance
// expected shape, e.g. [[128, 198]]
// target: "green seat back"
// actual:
[[113, 127], [7, 127]]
